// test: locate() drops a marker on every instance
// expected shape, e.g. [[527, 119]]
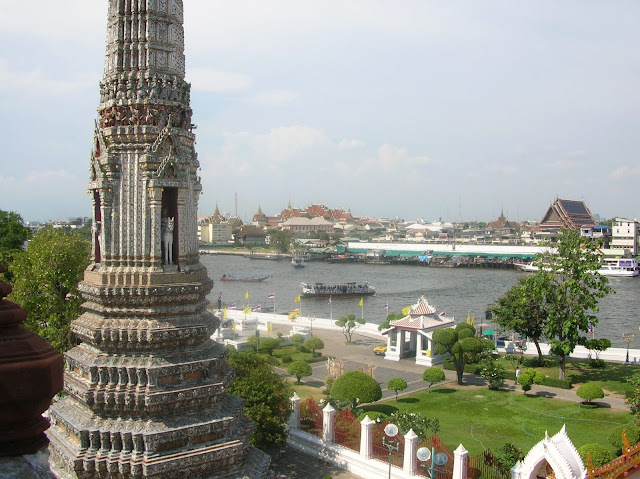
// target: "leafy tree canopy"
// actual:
[[571, 292], [266, 394], [590, 391], [269, 344], [396, 384], [46, 278], [433, 375], [281, 240], [299, 369], [387, 322], [13, 234], [459, 342], [349, 324], [313, 344], [355, 388]]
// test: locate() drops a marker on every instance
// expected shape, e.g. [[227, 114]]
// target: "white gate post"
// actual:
[[294, 418], [460, 461], [366, 437], [328, 420], [409, 463]]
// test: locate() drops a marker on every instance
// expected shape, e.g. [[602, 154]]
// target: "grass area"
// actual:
[[296, 355], [304, 391], [479, 418], [613, 377]]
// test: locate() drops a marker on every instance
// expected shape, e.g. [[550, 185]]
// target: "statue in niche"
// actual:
[[167, 239]]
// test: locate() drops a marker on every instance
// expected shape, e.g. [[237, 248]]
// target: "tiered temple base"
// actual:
[[146, 388]]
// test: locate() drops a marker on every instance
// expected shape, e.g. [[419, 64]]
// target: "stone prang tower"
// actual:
[[146, 386]]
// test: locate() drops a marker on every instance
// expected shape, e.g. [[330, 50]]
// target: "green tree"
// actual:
[[597, 452], [299, 369], [459, 343], [349, 324], [266, 394], [422, 426], [387, 322], [13, 234], [523, 309], [354, 388], [396, 384], [492, 371], [597, 345], [46, 278], [589, 392], [433, 375], [529, 378], [615, 437], [269, 345], [281, 240], [515, 360], [297, 340], [572, 289], [313, 344], [508, 454]]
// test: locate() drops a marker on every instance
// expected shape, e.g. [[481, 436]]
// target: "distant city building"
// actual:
[[251, 236], [563, 214], [624, 236], [304, 225]]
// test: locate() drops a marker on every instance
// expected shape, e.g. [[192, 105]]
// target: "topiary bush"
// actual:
[[589, 392], [599, 454], [530, 377], [433, 375], [632, 432], [355, 388]]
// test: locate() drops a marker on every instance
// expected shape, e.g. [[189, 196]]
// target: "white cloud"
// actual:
[[623, 171], [350, 144], [215, 81], [285, 143]]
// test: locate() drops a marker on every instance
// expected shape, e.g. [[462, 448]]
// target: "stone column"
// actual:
[[155, 206], [366, 438], [409, 464], [460, 461], [294, 418], [328, 424]]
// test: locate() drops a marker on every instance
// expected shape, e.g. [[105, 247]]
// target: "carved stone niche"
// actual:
[[31, 373]]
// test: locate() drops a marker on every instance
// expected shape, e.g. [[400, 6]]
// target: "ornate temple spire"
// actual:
[[146, 385]]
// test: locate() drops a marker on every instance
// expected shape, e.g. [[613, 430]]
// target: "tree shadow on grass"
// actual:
[[383, 408], [408, 400], [443, 391]]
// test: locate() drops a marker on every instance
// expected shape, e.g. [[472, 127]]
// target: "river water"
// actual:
[[459, 291]]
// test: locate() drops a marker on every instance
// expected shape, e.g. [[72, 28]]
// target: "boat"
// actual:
[[297, 261], [526, 267], [245, 277], [337, 289], [620, 267]]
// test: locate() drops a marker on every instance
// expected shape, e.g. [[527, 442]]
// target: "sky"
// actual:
[[417, 109]]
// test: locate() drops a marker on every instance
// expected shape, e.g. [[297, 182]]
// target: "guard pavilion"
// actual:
[[412, 336]]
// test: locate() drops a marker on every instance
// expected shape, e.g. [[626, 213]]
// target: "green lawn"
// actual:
[[613, 377], [479, 418]]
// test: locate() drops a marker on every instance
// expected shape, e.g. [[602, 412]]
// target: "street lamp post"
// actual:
[[439, 459], [391, 430], [628, 338], [311, 320]]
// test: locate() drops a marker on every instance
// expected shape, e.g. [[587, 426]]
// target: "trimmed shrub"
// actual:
[[633, 436], [590, 391], [433, 375], [557, 383], [599, 454], [299, 369], [355, 388], [286, 359]]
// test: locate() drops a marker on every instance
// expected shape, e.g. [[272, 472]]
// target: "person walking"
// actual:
[[517, 375]]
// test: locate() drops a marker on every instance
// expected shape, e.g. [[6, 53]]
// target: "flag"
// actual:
[[257, 308], [386, 306], [271, 296], [246, 295], [406, 310], [329, 302], [246, 310], [468, 319], [591, 329], [361, 302], [234, 326], [232, 306], [293, 314], [270, 327], [443, 313], [297, 300], [224, 313]]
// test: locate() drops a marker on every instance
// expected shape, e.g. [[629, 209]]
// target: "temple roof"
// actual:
[[422, 316], [568, 214]]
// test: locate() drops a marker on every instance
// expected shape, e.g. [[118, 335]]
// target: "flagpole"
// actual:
[[331, 308]]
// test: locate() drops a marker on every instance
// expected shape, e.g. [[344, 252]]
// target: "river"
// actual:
[[458, 291]]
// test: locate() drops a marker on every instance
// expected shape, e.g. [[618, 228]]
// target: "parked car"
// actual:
[[380, 350]]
